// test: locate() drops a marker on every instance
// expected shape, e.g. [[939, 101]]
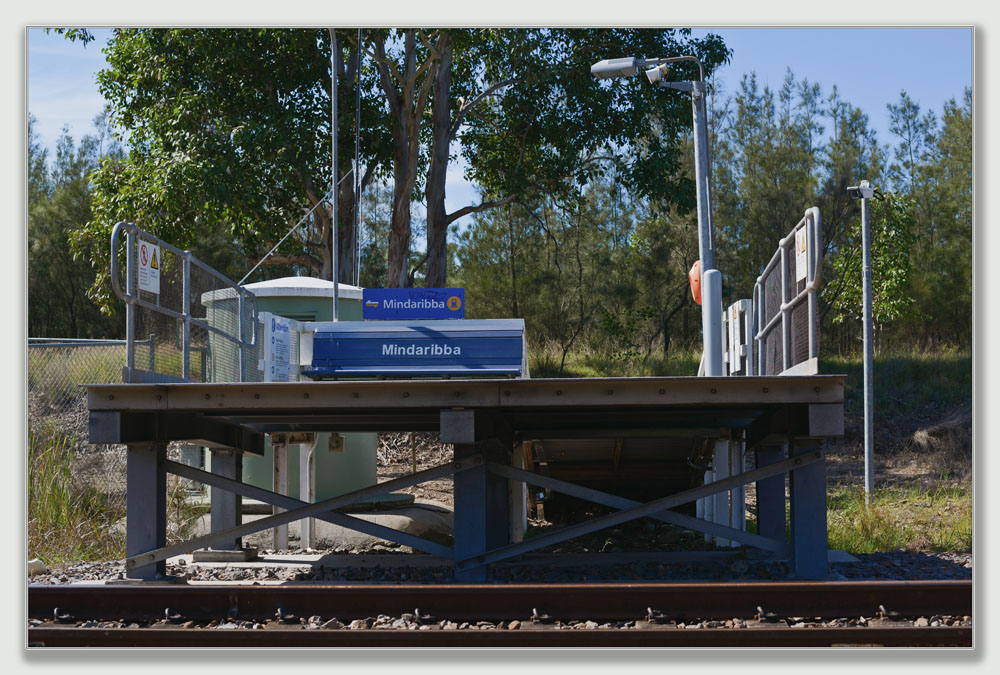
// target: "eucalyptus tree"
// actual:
[[229, 129]]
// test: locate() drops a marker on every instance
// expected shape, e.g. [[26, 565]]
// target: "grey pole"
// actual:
[[333, 171], [865, 192], [711, 329], [357, 173], [130, 310], [711, 310]]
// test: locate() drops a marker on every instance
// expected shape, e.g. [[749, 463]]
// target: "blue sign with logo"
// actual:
[[413, 303]]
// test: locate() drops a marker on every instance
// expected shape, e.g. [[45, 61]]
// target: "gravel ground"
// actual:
[[899, 565]]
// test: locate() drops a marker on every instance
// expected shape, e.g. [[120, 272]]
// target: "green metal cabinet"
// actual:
[[310, 299]]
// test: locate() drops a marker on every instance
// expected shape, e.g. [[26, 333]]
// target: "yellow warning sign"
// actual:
[[152, 263], [454, 303]]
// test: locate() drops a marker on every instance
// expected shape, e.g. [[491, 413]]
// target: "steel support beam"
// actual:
[[807, 506], [771, 495], [116, 427], [146, 504], [227, 506], [307, 490], [279, 481], [482, 498]]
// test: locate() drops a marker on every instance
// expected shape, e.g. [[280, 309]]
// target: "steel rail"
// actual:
[[505, 602], [889, 636]]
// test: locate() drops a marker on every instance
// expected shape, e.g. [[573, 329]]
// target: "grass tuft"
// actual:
[[911, 518], [67, 521]]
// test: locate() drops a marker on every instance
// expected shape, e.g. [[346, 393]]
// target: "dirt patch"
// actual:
[[927, 447], [400, 454]]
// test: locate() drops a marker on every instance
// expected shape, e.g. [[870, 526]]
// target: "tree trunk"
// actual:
[[407, 103], [437, 217], [347, 240]]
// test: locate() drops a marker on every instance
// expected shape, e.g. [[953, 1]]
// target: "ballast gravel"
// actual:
[[899, 565]]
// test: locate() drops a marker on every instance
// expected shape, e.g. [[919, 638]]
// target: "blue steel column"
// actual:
[[807, 504], [227, 507], [771, 495], [146, 506], [482, 499], [470, 515]]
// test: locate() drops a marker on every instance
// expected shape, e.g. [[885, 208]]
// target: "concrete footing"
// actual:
[[428, 520], [246, 554]]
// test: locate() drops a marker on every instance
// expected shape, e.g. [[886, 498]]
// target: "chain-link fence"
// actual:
[[57, 406], [186, 322]]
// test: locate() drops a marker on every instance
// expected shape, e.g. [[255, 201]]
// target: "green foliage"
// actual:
[[225, 141], [892, 242], [59, 206], [766, 163], [942, 191], [557, 128], [67, 521]]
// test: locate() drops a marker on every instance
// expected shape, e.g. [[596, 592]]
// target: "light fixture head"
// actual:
[[609, 68], [656, 74]]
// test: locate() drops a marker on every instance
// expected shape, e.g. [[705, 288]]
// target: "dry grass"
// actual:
[[911, 518]]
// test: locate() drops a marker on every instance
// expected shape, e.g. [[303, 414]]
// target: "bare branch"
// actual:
[[460, 115], [466, 210], [384, 66], [293, 259]]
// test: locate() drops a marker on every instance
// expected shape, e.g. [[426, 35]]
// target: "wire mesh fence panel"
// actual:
[[199, 324], [787, 321], [58, 373]]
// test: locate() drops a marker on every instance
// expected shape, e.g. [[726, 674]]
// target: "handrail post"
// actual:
[[186, 310], [129, 307]]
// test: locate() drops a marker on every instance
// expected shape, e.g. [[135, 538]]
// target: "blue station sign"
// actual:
[[413, 303], [489, 347]]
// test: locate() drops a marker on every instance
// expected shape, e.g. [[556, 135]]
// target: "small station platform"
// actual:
[[658, 421]]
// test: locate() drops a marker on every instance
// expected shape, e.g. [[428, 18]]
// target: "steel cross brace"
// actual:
[[614, 501], [283, 501], [316, 510], [648, 509]]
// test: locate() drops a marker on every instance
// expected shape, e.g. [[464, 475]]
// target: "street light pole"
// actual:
[[711, 278]]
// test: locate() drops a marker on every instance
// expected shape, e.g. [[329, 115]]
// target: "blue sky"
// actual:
[[870, 66]]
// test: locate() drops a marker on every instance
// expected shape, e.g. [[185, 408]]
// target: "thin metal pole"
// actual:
[[240, 322], [333, 171], [869, 366], [711, 330], [186, 310], [357, 173], [129, 307]]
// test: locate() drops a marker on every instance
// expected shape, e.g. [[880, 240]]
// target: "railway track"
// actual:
[[761, 614]]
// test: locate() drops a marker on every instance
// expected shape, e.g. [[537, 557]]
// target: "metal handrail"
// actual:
[[132, 298], [814, 258]]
